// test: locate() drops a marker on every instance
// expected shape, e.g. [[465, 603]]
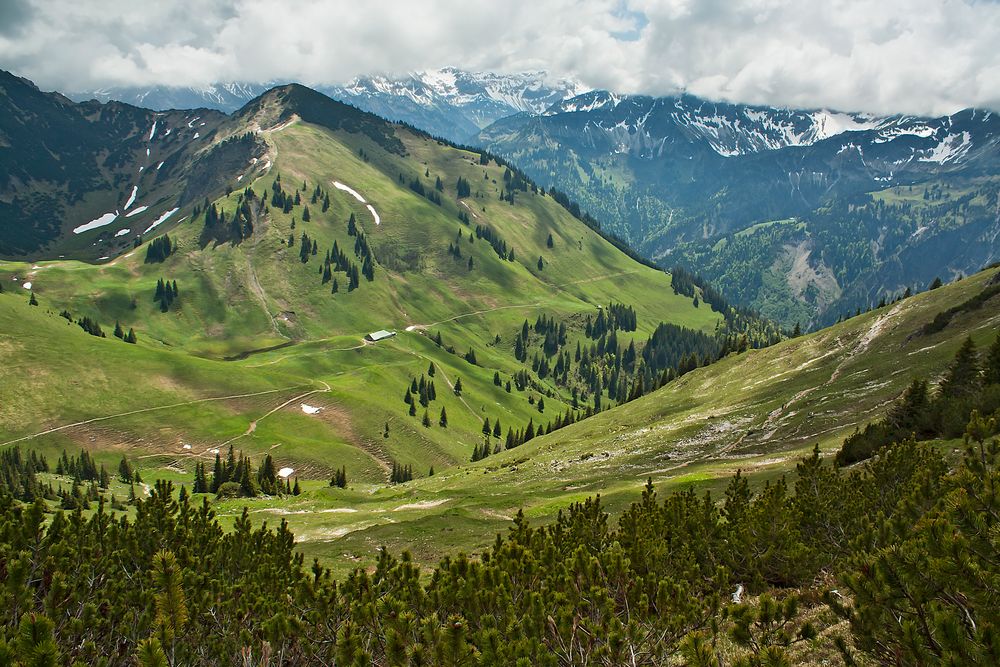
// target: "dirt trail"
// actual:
[[253, 424], [258, 292], [363, 343], [142, 410], [452, 387], [420, 327], [466, 205], [866, 340], [596, 279], [771, 423]]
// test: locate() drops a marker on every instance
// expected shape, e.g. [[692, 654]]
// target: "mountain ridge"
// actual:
[[449, 102], [681, 187]]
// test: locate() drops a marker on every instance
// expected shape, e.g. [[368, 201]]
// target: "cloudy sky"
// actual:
[[916, 56]]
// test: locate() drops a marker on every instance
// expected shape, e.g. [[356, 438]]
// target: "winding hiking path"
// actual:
[[420, 327], [536, 304], [142, 410], [253, 424]]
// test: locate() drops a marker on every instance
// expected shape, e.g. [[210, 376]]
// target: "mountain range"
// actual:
[[803, 215], [447, 102]]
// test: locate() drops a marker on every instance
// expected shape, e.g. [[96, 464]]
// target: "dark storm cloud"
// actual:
[[919, 56]]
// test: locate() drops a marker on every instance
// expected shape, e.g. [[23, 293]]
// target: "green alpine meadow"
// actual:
[[612, 334]]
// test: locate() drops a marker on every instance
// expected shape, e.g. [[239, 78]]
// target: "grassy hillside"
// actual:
[[759, 412], [256, 341], [257, 353]]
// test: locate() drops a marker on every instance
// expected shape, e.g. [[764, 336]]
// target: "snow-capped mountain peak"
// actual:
[[453, 102]]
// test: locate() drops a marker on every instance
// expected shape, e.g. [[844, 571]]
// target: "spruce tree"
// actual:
[[32, 301], [248, 486], [992, 370], [963, 377], [443, 421], [218, 474], [125, 471]]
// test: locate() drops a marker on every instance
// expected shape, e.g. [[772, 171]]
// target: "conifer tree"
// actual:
[[426, 421], [171, 603], [443, 421], [125, 471], [32, 301], [458, 386], [150, 653], [248, 485], [218, 474], [964, 375], [992, 370]]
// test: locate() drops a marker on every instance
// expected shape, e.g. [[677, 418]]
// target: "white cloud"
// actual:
[[919, 56]]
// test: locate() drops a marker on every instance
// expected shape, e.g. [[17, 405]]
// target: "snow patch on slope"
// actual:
[[102, 221], [829, 124], [131, 199], [161, 220], [348, 189], [950, 149]]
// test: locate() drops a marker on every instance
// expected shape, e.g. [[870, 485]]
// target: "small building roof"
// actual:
[[379, 335]]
